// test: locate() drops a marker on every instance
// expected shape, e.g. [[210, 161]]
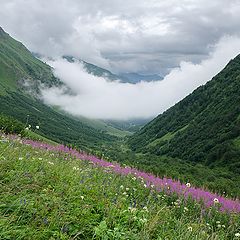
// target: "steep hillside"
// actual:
[[93, 69], [21, 75], [19, 69], [204, 127]]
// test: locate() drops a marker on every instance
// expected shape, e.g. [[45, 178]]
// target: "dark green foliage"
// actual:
[[202, 127], [10, 125]]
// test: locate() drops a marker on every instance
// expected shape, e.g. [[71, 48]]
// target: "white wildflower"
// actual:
[[132, 209], [190, 229], [127, 189], [216, 200], [237, 234], [144, 220], [145, 209], [188, 185], [82, 197], [20, 158], [37, 127], [51, 163]]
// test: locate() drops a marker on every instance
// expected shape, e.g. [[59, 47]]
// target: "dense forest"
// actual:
[[202, 128]]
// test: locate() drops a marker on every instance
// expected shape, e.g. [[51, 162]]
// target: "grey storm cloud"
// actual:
[[135, 36]]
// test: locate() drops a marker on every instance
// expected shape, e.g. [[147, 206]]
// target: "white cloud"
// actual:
[[96, 97]]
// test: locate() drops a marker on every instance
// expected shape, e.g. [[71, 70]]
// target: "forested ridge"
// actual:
[[204, 127]]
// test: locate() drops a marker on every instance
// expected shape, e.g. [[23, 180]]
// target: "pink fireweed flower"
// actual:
[[166, 185]]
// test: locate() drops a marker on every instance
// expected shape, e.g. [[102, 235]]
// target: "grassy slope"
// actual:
[[34, 135], [17, 63], [209, 117], [49, 195], [217, 179], [53, 125], [101, 126]]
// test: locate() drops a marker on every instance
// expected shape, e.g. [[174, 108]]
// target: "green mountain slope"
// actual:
[[93, 69], [53, 125], [19, 69], [204, 127], [21, 75]]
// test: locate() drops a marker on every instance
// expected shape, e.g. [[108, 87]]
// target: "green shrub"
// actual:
[[11, 125]]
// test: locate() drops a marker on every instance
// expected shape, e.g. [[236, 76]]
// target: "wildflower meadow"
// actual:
[[51, 191]]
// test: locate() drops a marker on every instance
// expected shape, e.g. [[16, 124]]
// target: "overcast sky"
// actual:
[[187, 41], [146, 36]]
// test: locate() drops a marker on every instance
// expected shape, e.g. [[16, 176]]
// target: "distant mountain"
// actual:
[[202, 128], [93, 69], [136, 77], [21, 76], [124, 77]]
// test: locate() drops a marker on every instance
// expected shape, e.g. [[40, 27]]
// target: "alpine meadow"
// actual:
[[120, 121]]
